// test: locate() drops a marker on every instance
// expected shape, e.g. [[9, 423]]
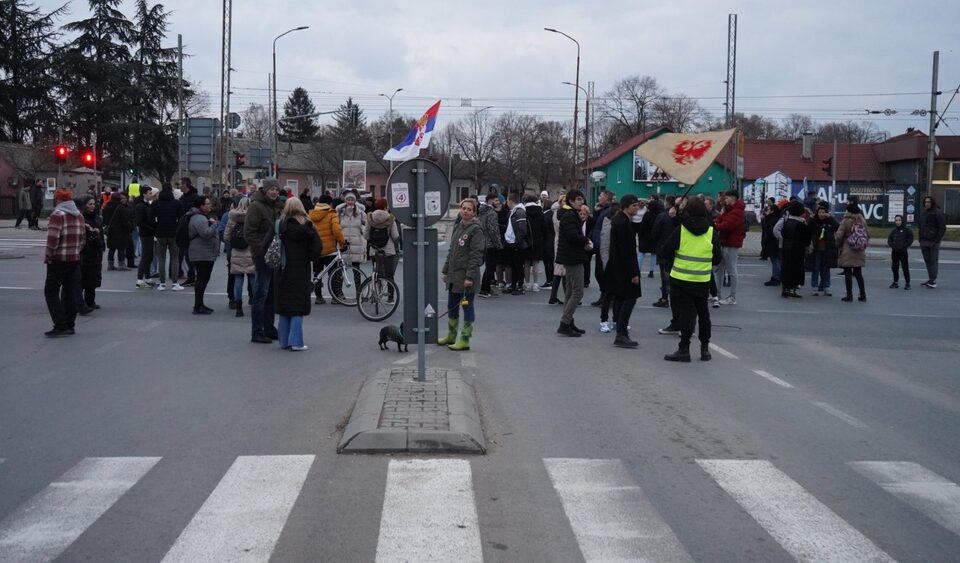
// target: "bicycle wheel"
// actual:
[[379, 298], [344, 283]]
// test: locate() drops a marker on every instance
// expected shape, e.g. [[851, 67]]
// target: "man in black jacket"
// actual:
[[166, 213], [517, 242], [933, 225], [143, 221], [36, 202], [622, 273], [487, 217], [573, 247]]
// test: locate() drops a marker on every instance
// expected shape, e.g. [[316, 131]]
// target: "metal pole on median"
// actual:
[[421, 274]]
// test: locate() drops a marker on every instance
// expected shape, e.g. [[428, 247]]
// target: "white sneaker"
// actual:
[[177, 287], [605, 326], [730, 300], [299, 348], [535, 288], [161, 287], [715, 302], [141, 284]]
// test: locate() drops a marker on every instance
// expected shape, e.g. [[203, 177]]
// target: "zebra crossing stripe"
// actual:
[[429, 512], [924, 490], [43, 527], [800, 523], [609, 513], [242, 518]]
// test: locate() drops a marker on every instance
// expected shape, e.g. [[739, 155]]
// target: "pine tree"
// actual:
[[348, 134], [28, 104], [94, 78], [301, 129]]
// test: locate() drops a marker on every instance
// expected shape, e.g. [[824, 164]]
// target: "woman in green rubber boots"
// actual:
[[461, 273]]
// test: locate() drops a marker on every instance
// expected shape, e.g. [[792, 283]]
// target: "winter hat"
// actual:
[[349, 195], [628, 200], [544, 194], [61, 195]]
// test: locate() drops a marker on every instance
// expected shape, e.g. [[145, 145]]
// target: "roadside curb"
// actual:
[[395, 413]]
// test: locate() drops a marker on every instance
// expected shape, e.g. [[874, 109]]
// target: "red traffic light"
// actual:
[[88, 158], [61, 152]]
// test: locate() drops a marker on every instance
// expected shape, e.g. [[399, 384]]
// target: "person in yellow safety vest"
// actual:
[[133, 190], [693, 248]]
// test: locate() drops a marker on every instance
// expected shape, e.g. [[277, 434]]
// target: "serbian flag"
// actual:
[[418, 137], [685, 156]]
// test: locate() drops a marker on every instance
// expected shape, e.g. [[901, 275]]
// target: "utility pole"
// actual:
[[180, 120], [931, 138], [730, 105], [225, 85]]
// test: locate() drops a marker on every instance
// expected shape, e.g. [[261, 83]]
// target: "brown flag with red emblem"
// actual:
[[685, 156]]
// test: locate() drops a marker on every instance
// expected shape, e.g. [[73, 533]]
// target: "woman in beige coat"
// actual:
[[852, 260], [241, 259]]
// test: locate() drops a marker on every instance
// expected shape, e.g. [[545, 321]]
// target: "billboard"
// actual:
[[354, 175], [646, 171]]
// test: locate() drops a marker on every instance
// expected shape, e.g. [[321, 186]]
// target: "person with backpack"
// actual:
[[239, 257], [899, 240], [381, 233], [852, 240], [517, 237]]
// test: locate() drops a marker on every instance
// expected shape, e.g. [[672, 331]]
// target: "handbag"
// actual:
[[274, 257]]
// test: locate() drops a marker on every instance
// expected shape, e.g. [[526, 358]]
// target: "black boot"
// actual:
[[681, 355], [573, 325], [705, 355], [239, 307], [623, 341], [567, 330]]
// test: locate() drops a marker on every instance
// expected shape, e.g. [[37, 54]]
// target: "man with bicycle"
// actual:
[[382, 236]]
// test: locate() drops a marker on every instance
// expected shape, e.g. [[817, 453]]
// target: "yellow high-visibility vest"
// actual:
[[133, 190], [694, 258]]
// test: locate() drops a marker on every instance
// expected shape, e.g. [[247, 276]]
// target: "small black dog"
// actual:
[[391, 333]]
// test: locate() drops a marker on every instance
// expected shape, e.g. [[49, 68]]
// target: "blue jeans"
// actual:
[[453, 305], [653, 260], [290, 331], [775, 265], [820, 277], [238, 285], [261, 310]]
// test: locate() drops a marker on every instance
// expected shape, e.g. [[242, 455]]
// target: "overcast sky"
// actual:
[[814, 57]]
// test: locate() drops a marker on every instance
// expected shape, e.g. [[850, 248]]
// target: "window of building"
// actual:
[[941, 171], [955, 172], [293, 184], [463, 192]]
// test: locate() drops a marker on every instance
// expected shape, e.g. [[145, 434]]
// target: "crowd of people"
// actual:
[[276, 243]]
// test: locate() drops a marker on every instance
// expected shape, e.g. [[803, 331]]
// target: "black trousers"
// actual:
[[900, 260], [204, 269], [664, 280], [59, 290], [146, 257], [622, 309], [24, 213], [318, 266], [688, 301], [515, 260], [598, 272], [489, 269], [848, 275]]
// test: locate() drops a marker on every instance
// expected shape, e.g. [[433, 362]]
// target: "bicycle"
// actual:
[[343, 279], [379, 295]]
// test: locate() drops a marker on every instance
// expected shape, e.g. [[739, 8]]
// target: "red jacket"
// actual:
[[731, 224]]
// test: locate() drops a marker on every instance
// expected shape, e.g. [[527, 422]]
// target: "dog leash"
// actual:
[[464, 301]]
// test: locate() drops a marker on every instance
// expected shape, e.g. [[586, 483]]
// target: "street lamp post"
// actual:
[[586, 122], [390, 119], [576, 103], [275, 91]]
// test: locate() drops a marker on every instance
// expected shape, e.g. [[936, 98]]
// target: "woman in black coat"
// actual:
[[91, 257], [535, 227], [119, 229], [796, 238], [294, 286], [769, 245], [622, 273]]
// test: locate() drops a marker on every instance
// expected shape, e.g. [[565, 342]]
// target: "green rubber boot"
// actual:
[[451, 336], [463, 343]]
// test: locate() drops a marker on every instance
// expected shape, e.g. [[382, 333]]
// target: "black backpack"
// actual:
[[379, 236], [182, 235], [237, 240]]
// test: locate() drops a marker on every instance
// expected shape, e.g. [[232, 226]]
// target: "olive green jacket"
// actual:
[[467, 245]]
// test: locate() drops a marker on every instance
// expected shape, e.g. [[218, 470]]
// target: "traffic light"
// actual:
[[60, 153], [239, 159], [828, 166], [88, 158], [131, 170]]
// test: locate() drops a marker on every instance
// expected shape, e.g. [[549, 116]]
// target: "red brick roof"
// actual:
[[854, 162], [624, 147]]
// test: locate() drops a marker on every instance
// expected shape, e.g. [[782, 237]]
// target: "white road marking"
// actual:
[[917, 486], [410, 359], [468, 360], [830, 409], [150, 326], [242, 518], [772, 378], [785, 312], [44, 526], [800, 523], [18, 288], [609, 514], [429, 512], [723, 352]]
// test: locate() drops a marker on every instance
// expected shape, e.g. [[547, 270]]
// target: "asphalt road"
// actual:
[[157, 435]]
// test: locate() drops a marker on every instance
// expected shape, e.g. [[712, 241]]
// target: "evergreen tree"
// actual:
[[94, 78], [28, 103], [348, 135], [301, 129]]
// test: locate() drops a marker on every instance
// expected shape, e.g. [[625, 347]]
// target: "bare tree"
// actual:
[[849, 132], [795, 125], [256, 123], [550, 155], [756, 126], [514, 151], [475, 135], [629, 104], [680, 113]]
